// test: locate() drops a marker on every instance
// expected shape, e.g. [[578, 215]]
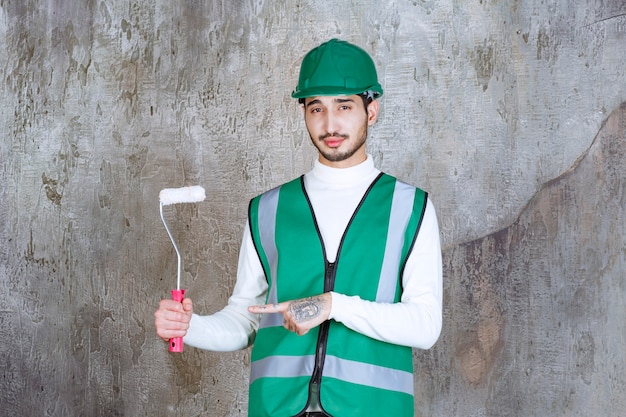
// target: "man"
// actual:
[[339, 273]]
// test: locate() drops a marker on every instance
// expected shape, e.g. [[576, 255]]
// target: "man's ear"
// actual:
[[372, 112]]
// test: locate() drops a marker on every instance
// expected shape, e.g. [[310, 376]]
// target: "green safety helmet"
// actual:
[[337, 68]]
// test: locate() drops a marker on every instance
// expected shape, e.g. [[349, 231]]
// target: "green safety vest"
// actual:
[[346, 373]]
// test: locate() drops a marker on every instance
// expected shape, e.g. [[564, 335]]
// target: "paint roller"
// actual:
[[169, 196]]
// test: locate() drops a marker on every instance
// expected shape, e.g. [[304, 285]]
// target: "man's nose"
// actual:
[[332, 122]]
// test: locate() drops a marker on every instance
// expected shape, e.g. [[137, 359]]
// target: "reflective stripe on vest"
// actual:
[[401, 207], [268, 205], [334, 367]]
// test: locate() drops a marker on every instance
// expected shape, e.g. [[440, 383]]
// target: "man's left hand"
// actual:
[[301, 315]]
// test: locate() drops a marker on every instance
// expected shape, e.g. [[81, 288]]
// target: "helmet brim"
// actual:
[[336, 91]]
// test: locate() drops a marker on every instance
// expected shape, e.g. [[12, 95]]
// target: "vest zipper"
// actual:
[[322, 340], [330, 272]]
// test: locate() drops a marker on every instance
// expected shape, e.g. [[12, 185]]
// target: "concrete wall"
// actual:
[[509, 113]]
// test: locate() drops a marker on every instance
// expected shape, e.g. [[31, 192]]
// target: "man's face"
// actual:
[[338, 128]]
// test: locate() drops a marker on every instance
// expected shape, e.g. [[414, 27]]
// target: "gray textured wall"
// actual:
[[508, 113]]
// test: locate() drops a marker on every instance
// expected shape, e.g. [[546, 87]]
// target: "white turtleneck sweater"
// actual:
[[335, 193]]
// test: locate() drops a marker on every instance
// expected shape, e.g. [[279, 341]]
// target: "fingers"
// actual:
[[268, 308], [295, 327], [187, 305], [289, 321], [172, 318]]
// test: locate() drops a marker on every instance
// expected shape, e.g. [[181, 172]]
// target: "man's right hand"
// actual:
[[172, 318]]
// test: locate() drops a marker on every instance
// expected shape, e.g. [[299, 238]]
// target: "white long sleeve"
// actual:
[[334, 194]]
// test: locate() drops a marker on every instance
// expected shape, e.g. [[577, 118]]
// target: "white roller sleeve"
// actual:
[[182, 195]]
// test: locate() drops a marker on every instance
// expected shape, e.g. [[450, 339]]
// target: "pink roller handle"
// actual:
[[176, 344]]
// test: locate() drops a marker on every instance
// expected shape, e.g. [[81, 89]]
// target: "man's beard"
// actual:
[[335, 155]]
